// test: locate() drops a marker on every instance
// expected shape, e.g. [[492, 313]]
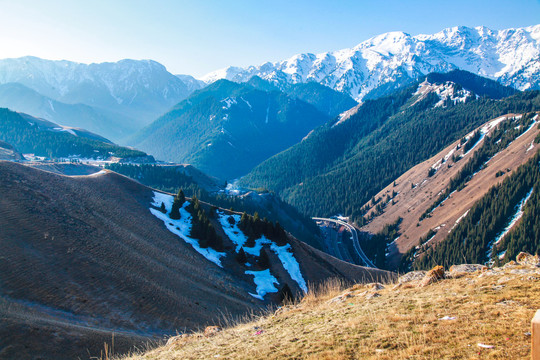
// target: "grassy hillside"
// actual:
[[478, 237], [89, 256], [432, 197], [8, 152], [478, 315]]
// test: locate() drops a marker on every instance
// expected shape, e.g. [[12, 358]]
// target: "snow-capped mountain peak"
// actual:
[[511, 56]]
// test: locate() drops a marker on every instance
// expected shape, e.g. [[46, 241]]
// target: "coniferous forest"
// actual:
[[505, 133], [350, 162], [170, 179], [473, 239], [29, 137]]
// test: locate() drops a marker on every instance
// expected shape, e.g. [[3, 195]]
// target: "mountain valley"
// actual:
[[377, 202], [226, 129]]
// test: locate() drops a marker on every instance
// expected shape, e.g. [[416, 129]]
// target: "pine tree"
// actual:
[[175, 210], [241, 256], [162, 208], [243, 219], [180, 196], [214, 240], [280, 236], [285, 294], [263, 261]]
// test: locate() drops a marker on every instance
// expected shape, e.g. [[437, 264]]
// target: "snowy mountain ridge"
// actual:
[[134, 92], [58, 78], [511, 56]]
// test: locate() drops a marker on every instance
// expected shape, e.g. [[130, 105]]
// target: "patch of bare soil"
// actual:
[[411, 202]]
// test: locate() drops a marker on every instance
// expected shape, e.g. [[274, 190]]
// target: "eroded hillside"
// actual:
[[432, 197]]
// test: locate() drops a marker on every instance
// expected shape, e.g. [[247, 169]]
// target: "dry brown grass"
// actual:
[[402, 323], [411, 203]]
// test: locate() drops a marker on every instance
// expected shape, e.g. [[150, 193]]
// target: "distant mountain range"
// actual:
[[118, 99], [228, 128], [125, 95], [380, 64], [346, 161], [43, 138]]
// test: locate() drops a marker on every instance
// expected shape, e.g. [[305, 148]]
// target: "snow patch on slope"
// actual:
[[446, 91], [284, 253], [228, 102], [182, 227], [513, 221], [344, 116], [264, 281], [290, 264], [459, 219], [233, 232]]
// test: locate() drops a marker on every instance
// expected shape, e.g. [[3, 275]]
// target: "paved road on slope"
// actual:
[[356, 243], [334, 246]]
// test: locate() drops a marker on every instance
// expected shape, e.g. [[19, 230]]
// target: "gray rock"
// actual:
[[466, 269], [412, 276]]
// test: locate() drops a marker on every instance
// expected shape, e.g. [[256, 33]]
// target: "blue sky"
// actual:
[[196, 37]]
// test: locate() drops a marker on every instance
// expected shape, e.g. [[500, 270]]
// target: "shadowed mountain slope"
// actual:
[[83, 257], [227, 128]]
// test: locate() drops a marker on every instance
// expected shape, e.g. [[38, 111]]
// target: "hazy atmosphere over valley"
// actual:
[[269, 180]]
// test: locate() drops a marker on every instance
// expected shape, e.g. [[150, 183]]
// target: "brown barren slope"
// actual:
[[411, 203], [82, 257]]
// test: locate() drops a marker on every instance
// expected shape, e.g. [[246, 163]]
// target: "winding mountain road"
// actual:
[[356, 243]]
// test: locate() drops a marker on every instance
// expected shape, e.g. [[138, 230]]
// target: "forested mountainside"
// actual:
[[46, 139], [479, 85], [325, 99], [348, 161], [227, 128], [20, 98], [504, 222], [79, 269], [423, 206], [172, 178]]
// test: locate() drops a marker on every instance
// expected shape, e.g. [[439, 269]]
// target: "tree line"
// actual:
[[500, 139], [471, 240]]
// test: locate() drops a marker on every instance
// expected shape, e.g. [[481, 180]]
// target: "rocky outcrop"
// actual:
[[412, 276], [526, 259], [463, 269], [433, 275]]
